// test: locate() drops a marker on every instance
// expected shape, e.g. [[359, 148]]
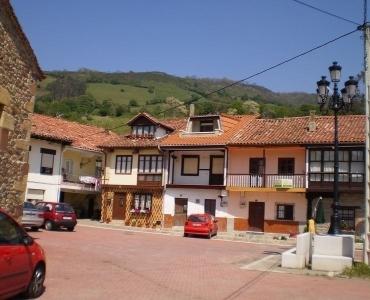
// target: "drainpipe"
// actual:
[[61, 160]]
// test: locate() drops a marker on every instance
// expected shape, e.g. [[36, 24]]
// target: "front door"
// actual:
[[119, 205], [216, 173], [256, 216], [181, 211], [210, 207]]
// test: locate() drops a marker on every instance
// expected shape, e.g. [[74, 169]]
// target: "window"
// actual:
[[98, 168], [123, 164], [190, 165], [142, 202], [206, 126], [143, 130], [10, 233], [150, 164], [286, 166], [47, 161], [256, 165], [350, 165], [347, 217], [284, 211]]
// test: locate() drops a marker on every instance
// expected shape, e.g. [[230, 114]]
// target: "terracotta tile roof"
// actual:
[[77, 135], [229, 125], [288, 131], [7, 9], [129, 141], [153, 119]]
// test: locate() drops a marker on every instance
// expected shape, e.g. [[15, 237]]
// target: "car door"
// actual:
[[15, 263]]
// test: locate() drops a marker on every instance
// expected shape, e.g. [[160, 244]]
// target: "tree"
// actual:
[[133, 102], [251, 107], [66, 87], [176, 106]]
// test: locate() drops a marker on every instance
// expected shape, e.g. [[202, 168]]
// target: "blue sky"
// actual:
[[203, 38]]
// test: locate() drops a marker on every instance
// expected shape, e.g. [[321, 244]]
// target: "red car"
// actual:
[[58, 215], [22, 261], [201, 224]]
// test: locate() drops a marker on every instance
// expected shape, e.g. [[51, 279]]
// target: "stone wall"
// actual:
[[17, 90]]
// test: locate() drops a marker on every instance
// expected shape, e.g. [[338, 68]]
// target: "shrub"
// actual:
[[358, 270]]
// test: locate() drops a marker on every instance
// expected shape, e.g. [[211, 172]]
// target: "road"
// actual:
[[97, 263]]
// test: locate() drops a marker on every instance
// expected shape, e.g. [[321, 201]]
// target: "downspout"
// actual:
[[226, 165], [62, 149]]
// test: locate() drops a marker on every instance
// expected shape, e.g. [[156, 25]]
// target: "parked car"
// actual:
[[22, 261], [58, 215], [33, 217], [201, 224]]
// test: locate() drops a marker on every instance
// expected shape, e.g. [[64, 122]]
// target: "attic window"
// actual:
[[143, 130], [206, 126]]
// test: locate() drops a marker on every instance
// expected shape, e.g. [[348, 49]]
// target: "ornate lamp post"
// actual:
[[336, 102]]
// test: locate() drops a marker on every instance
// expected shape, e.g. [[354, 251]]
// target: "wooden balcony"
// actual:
[[266, 182], [149, 180], [348, 182]]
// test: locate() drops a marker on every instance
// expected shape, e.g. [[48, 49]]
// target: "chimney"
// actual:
[[191, 110], [311, 122]]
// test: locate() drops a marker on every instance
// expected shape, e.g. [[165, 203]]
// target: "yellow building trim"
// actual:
[[264, 190]]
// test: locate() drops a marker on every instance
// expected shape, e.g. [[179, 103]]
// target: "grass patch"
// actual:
[[358, 270]]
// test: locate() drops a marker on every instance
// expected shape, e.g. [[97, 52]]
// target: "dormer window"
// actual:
[[143, 130], [206, 126]]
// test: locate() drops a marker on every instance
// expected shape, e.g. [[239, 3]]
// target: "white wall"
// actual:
[[193, 195], [204, 163], [233, 208], [48, 183]]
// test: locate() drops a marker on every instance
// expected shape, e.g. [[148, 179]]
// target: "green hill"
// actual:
[[110, 99]]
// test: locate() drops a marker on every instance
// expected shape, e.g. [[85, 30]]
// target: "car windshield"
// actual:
[[194, 218], [63, 207], [29, 205]]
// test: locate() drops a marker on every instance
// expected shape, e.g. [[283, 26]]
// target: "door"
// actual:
[[119, 206], [210, 207], [216, 172], [15, 264], [256, 216], [256, 171], [181, 211]]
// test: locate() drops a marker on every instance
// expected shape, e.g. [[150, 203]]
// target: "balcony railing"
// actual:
[[81, 182], [149, 179], [266, 181]]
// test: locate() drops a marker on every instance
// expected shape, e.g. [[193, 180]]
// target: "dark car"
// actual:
[[201, 224], [22, 261], [58, 215]]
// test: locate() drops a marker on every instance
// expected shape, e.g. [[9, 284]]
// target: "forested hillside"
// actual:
[[110, 99]]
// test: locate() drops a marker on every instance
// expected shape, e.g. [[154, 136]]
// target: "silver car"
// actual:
[[32, 216]]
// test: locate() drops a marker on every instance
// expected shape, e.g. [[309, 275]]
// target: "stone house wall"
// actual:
[[18, 81]]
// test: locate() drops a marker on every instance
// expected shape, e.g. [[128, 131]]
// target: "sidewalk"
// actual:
[[247, 237]]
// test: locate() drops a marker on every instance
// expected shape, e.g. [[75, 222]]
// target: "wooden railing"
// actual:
[[266, 180], [149, 179]]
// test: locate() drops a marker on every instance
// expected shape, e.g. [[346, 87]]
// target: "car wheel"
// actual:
[[34, 228], [209, 235], [49, 225], [36, 286], [70, 228]]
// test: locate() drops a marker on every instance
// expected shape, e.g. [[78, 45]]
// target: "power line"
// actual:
[[263, 71], [246, 78], [325, 12]]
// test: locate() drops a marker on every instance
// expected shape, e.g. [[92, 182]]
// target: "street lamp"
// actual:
[[336, 102]]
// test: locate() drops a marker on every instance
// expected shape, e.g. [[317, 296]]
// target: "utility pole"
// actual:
[[366, 30]]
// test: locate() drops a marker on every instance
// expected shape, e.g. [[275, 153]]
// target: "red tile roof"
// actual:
[[289, 131], [229, 125], [129, 141], [77, 135]]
